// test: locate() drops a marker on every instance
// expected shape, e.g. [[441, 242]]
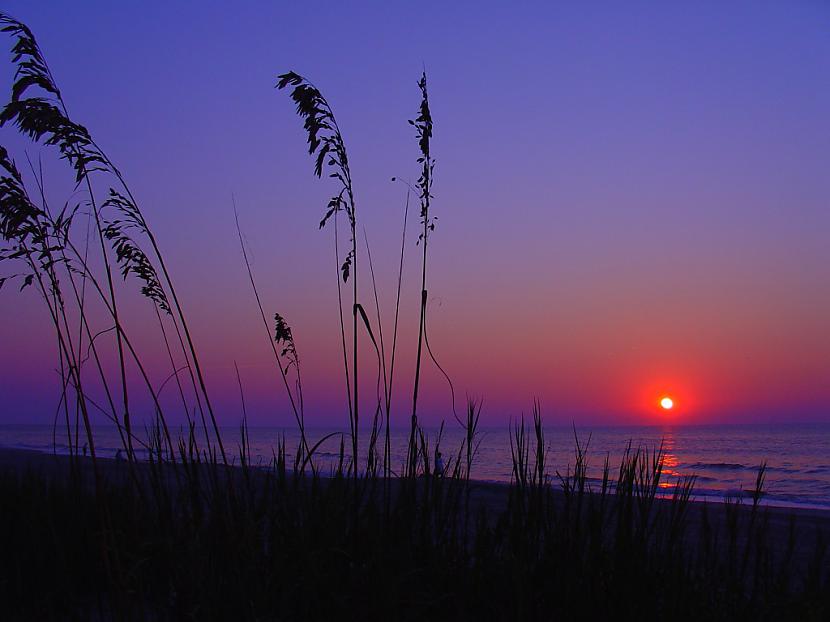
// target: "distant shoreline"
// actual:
[[490, 494], [701, 493]]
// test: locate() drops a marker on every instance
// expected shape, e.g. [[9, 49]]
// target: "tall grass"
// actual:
[[325, 141], [283, 338], [43, 117], [423, 128], [271, 542]]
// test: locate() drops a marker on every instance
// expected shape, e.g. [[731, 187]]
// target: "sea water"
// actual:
[[724, 459]]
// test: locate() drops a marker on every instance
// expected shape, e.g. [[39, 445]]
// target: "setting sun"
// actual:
[[666, 403]]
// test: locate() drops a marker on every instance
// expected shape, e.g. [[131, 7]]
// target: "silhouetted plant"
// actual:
[[281, 333], [326, 141], [423, 130], [285, 338], [45, 118], [43, 241], [127, 253]]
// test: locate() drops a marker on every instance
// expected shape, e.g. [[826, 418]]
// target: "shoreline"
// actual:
[[491, 494], [724, 461], [711, 496], [791, 536]]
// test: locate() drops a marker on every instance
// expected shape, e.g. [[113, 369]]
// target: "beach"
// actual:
[[791, 530]]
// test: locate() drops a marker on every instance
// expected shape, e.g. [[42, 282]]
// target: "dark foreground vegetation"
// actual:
[[201, 541], [187, 536]]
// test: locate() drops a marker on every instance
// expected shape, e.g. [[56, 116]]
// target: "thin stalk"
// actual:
[[342, 325], [382, 354], [423, 125], [172, 364], [297, 413]]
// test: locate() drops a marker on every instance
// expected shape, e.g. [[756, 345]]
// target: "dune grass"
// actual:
[[274, 543], [184, 535]]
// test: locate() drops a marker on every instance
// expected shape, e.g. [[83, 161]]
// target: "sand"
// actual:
[[805, 526]]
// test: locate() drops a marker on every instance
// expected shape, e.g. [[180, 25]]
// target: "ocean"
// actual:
[[724, 458]]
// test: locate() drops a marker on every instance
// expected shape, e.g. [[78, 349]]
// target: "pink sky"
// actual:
[[631, 203]]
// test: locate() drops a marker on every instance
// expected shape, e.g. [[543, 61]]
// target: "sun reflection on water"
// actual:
[[670, 476]]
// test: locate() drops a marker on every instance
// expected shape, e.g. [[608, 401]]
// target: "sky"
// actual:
[[632, 200]]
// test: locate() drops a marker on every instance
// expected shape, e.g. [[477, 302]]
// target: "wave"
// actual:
[[718, 466], [736, 466]]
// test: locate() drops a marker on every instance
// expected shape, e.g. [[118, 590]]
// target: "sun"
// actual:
[[667, 403]]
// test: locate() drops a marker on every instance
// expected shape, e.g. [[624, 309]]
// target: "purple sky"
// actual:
[[632, 201]]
